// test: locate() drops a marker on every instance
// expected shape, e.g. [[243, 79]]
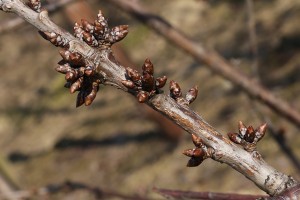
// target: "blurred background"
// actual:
[[118, 145]]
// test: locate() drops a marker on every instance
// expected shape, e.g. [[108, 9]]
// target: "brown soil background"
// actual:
[[111, 144]]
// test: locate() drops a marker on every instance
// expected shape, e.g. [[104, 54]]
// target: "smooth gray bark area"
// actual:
[[250, 164]]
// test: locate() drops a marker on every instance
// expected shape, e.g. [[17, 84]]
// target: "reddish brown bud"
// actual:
[[92, 95], [261, 131], [160, 81], [55, 39], [63, 68], [133, 74], [194, 162], [197, 140], [76, 85], [35, 5], [148, 67], [78, 31], [71, 75], [148, 82], [175, 90], [129, 84], [250, 135], [89, 71], [242, 128], [234, 137], [191, 95], [101, 26], [197, 153], [87, 26], [118, 33], [89, 39], [80, 98], [142, 96]]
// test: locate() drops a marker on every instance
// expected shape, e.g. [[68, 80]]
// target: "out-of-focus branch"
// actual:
[[98, 65], [186, 195], [211, 58], [68, 186], [275, 133], [252, 36], [14, 23]]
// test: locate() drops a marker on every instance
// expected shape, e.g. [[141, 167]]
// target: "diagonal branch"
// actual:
[[211, 58], [110, 72], [16, 22]]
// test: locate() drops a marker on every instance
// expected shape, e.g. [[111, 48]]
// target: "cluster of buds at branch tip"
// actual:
[[176, 94], [248, 137], [199, 153], [98, 34], [144, 85], [35, 5], [79, 76]]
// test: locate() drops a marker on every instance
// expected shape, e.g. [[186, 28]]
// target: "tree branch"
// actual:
[[211, 58], [109, 72], [16, 22]]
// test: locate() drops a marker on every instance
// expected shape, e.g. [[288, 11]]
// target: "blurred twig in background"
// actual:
[[211, 58], [66, 187], [186, 195], [276, 133], [52, 6]]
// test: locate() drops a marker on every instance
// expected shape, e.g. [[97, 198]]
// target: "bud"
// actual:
[[261, 130], [90, 39], [142, 96], [80, 98], [89, 71], [63, 68], [175, 90], [148, 67], [35, 5], [194, 162], [133, 74], [118, 33], [234, 137], [242, 129], [92, 95], [129, 84], [197, 140], [191, 95], [87, 26], [249, 135], [148, 82], [160, 81], [76, 85]]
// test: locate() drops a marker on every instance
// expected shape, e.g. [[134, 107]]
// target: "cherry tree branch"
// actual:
[[17, 22], [101, 67], [211, 58]]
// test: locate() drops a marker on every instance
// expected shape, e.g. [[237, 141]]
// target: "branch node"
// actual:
[[176, 94], [144, 85], [199, 154], [247, 136]]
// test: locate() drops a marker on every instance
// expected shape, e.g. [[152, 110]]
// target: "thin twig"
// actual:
[[14, 23], [252, 37], [66, 187], [213, 60], [255, 73], [186, 195], [250, 164]]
